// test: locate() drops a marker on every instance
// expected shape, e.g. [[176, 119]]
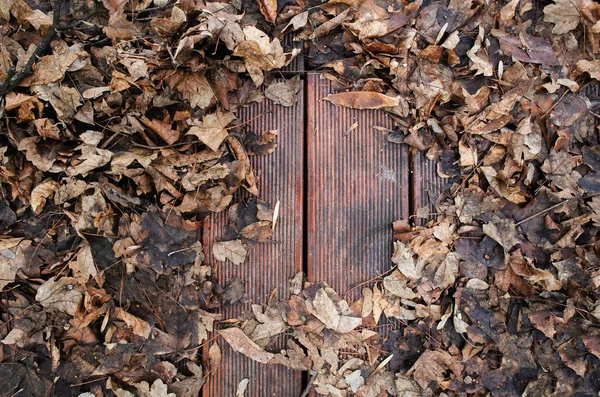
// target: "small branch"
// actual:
[[13, 79], [309, 385], [542, 212]]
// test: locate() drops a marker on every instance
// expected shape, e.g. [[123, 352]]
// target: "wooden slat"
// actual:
[[357, 186], [427, 186], [270, 265]]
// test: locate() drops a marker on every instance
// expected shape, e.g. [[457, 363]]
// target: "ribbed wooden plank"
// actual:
[[357, 186], [269, 265], [427, 186]]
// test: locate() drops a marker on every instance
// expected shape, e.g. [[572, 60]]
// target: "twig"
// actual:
[[164, 146], [542, 212], [557, 102], [309, 385], [12, 80]]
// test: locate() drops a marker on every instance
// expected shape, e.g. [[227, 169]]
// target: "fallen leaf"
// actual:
[[158, 389], [162, 129], [363, 100], [240, 343], [329, 313], [41, 192], [564, 14], [63, 295], [212, 129], [590, 67], [214, 356], [138, 326], [284, 93], [241, 388], [232, 250], [260, 54], [269, 9]]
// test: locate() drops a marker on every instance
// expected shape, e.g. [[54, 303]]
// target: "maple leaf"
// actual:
[[335, 316], [212, 129], [564, 14], [260, 53], [194, 87]]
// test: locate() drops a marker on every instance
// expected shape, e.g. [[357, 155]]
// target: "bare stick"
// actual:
[[309, 385], [12, 80]]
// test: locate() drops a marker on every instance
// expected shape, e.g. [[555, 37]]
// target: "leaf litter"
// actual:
[[120, 136]]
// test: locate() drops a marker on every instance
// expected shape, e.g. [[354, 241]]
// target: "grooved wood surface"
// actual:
[[357, 185], [427, 185], [269, 265]]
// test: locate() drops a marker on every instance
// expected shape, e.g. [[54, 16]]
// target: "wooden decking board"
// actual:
[[356, 186], [427, 186], [269, 265]]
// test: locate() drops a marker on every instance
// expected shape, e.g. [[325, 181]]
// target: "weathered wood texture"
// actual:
[[427, 186], [358, 184], [269, 265]]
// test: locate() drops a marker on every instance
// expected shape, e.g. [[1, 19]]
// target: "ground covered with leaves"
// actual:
[[119, 137]]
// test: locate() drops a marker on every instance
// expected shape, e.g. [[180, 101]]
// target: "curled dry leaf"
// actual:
[[363, 100], [42, 192], [241, 388], [269, 9], [214, 356], [138, 326]]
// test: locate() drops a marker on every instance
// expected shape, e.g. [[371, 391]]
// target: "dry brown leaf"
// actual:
[[230, 250], [64, 295], [260, 53], [162, 129], [297, 22], [590, 67], [119, 27], [241, 388], [212, 129], [65, 100], [83, 266], [545, 321], [564, 14], [158, 389], [214, 356], [138, 326], [479, 58], [41, 192], [242, 344], [50, 69], [503, 231], [269, 9], [8, 264], [334, 316], [194, 87], [363, 100], [403, 258], [432, 366], [284, 93]]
